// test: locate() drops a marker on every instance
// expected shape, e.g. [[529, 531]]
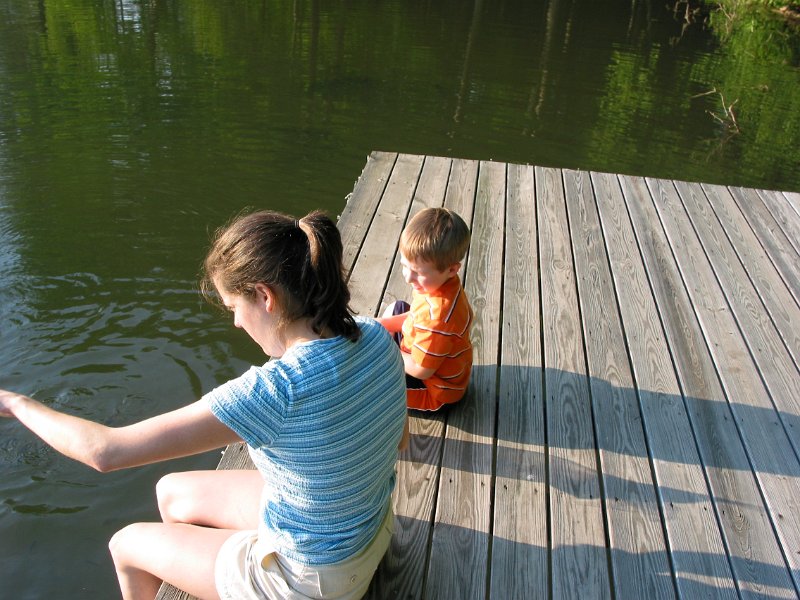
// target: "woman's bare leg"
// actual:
[[184, 555], [222, 499], [200, 509]]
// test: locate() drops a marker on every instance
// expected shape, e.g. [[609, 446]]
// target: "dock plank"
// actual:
[[771, 237], [638, 549], [785, 213], [579, 554], [756, 558], [631, 429], [357, 215], [376, 255], [462, 526], [519, 567], [685, 503], [794, 200], [766, 440], [738, 241], [762, 338], [402, 573]]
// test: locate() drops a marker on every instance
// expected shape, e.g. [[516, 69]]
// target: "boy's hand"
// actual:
[[393, 323]]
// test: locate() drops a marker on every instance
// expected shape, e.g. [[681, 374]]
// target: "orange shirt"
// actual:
[[436, 333]]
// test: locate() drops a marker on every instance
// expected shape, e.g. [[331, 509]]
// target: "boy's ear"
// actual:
[[453, 269]]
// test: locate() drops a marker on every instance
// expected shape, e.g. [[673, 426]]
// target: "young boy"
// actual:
[[433, 332]]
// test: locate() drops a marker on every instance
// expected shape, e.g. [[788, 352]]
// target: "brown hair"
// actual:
[[299, 260], [436, 235]]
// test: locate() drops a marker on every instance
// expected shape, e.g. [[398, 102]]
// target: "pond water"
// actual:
[[130, 129]]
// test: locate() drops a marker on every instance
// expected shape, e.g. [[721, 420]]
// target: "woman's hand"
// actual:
[[7, 402]]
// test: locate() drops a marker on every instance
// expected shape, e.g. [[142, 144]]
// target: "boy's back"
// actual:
[[436, 333], [435, 330]]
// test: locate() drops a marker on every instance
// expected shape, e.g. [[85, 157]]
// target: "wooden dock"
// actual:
[[632, 427]]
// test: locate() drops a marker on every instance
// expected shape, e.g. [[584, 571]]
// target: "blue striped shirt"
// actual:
[[322, 424]]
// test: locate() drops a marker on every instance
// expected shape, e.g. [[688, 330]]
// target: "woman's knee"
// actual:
[[221, 499], [173, 498], [125, 540]]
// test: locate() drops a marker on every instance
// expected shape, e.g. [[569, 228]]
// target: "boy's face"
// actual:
[[423, 276]]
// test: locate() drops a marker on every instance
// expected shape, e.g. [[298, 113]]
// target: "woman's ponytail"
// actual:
[[325, 295], [300, 259]]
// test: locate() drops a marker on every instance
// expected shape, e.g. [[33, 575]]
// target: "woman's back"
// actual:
[[323, 423]]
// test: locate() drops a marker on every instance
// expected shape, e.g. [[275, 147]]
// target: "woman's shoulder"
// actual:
[[367, 324], [306, 355], [373, 332]]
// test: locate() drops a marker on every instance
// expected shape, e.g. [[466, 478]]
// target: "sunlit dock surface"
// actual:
[[632, 428]]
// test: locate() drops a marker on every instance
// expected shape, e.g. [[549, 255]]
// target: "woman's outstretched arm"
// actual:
[[182, 432]]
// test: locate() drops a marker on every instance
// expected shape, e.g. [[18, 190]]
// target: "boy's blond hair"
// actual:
[[436, 235]]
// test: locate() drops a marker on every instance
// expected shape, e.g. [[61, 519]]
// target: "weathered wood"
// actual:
[[638, 550], [579, 555], [694, 539], [463, 518], [376, 254], [631, 428], [519, 567], [763, 340], [402, 571], [736, 239], [784, 213], [356, 218], [756, 559], [771, 237], [767, 442], [794, 200]]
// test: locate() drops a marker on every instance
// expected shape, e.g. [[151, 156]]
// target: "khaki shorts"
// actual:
[[241, 575]]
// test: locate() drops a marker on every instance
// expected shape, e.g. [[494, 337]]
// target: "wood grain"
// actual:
[[463, 510], [693, 535], [766, 440], [757, 562], [356, 218], [402, 572], [771, 237], [738, 241], [785, 213], [376, 255], [519, 567], [578, 549], [762, 338], [638, 550]]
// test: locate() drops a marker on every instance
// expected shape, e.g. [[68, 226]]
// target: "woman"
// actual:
[[322, 422]]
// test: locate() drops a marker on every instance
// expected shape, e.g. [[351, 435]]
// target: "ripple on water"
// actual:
[[42, 509]]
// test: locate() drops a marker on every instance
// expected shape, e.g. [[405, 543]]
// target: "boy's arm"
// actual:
[[414, 369], [393, 323]]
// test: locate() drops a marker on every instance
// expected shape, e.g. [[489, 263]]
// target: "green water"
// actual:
[[129, 130]]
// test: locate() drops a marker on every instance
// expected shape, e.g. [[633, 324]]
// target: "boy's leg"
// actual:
[[398, 308]]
